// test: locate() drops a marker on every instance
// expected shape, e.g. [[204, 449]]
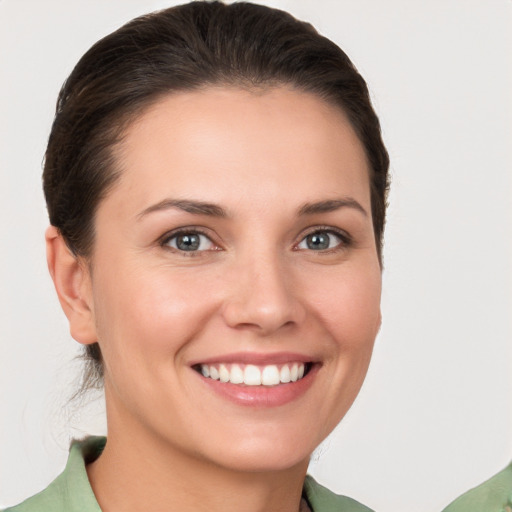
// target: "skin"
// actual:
[[256, 287]]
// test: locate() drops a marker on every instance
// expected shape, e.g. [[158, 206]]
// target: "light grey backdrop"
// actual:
[[435, 415]]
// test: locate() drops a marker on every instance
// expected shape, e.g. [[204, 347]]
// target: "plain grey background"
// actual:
[[434, 416]]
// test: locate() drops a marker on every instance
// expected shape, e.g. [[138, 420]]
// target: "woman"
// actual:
[[216, 185]]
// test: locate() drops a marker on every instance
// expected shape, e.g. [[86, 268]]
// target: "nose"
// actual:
[[263, 296]]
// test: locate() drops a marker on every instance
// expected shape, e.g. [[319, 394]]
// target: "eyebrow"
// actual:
[[194, 207], [331, 205], [214, 210]]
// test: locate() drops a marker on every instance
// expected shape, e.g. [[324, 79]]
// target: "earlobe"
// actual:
[[72, 282]]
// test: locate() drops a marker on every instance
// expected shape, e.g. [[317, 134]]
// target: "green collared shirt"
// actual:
[[494, 495], [71, 491]]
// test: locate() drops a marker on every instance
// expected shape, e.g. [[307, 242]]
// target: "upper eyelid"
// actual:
[[164, 239], [337, 231], [186, 229]]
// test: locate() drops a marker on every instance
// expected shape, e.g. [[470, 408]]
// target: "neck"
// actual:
[[149, 474]]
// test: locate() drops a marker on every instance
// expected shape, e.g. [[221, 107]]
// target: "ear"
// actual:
[[72, 281]]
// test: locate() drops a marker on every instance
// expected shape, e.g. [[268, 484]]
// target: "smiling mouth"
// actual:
[[253, 375]]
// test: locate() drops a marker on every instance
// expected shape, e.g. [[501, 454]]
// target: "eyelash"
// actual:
[[344, 237], [166, 239]]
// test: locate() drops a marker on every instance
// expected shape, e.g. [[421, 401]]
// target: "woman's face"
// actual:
[[236, 248]]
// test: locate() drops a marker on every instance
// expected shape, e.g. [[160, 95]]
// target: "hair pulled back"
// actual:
[[184, 48]]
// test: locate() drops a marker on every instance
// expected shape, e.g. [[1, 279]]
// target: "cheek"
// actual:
[[349, 306], [154, 311], [349, 309]]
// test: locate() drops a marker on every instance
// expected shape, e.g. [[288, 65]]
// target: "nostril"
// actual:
[[263, 319]]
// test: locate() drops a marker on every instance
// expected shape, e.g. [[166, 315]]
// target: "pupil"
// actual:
[[318, 241], [188, 242]]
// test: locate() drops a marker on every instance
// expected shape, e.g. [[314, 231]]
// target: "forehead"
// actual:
[[223, 141]]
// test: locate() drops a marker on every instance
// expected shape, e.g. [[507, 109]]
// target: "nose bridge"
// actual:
[[263, 295]]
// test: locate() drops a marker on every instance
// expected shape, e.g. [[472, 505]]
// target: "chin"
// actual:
[[271, 452], [269, 460]]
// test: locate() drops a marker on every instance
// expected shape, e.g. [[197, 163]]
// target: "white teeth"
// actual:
[[270, 376], [285, 374], [223, 373], [237, 375], [251, 375], [294, 372]]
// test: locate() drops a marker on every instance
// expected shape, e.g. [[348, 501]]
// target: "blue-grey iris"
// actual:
[[318, 241], [189, 242]]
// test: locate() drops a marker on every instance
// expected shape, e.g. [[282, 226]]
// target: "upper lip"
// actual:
[[257, 358]]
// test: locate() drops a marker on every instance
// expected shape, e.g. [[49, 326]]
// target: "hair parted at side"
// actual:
[[183, 48]]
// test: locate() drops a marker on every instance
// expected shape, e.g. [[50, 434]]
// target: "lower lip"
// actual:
[[262, 396]]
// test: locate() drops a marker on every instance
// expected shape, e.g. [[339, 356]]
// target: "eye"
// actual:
[[189, 241], [322, 240]]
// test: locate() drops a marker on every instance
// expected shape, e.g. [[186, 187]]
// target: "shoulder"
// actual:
[[70, 491], [494, 495], [323, 500], [46, 500]]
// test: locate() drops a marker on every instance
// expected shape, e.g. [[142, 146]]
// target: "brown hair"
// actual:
[[182, 48]]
